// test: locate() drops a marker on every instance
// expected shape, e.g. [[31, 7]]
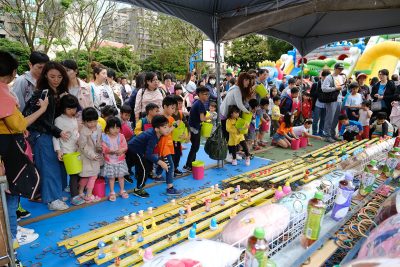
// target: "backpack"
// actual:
[[216, 146], [330, 96], [145, 124]]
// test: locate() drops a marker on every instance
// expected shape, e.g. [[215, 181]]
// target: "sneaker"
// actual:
[[77, 200], [22, 213], [234, 162], [262, 144], [128, 179], [25, 230], [18, 263], [256, 148], [173, 192], [178, 173], [24, 238], [67, 189], [329, 140], [238, 157], [159, 179], [91, 198], [187, 169], [247, 161], [57, 205], [336, 138], [140, 193]]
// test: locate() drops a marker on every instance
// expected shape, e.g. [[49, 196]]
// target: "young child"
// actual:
[[381, 127], [350, 128], [353, 102], [306, 106], [141, 150], [179, 118], [114, 147], [235, 137], [68, 123], [214, 115], [262, 113], [274, 92], [145, 123], [126, 125], [196, 116], [106, 112], [275, 115], [281, 137], [89, 144], [165, 147], [364, 116], [251, 136], [304, 131]]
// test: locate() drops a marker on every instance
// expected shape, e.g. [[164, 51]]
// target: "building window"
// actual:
[[1, 24], [2, 36]]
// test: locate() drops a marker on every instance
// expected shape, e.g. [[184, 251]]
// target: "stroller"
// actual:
[[395, 116]]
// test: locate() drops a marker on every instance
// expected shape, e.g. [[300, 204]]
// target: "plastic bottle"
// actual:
[[349, 177], [315, 214], [257, 248], [368, 178], [343, 200]]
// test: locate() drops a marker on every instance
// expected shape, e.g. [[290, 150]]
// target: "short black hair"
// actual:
[[167, 76], [262, 71], [253, 103], [366, 103], [294, 90], [90, 114], [202, 89], [159, 121], [264, 101], [213, 104], [384, 72], [308, 121], [8, 63], [381, 116], [111, 74], [149, 107], [178, 98], [343, 117], [276, 98], [169, 100], [109, 110], [178, 86], [68, 101], [325, 73], [125, 109], [37, 57], [111, 123], [70, 64], [232, 109], [292, 81]]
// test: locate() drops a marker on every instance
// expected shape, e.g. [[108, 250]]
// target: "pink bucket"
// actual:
[[295, 144], [303, 141], [99, 188], [198, 169]]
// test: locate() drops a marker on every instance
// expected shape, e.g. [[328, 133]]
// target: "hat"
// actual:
[[339, 66], [354, 85], [361, 75]]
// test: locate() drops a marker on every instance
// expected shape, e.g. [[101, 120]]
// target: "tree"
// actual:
[[276, 48], [247, 51], [20, 51]]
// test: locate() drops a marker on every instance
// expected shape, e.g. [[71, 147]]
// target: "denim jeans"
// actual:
[[12, 206], [318, 117], [171, 169]]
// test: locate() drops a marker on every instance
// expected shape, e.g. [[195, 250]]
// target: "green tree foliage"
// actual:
[[247, 51], [276, 48], [20, 51]]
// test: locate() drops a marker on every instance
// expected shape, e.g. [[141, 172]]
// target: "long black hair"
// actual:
[[287, 119], [43, 82]]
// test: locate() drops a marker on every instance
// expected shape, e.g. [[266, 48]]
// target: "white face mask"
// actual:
[[212, 81]]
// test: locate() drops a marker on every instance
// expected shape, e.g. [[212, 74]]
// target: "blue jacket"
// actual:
[[144, 145], [286, 104], [353, 126]]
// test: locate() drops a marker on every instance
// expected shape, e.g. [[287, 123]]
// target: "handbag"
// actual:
[[376, 106]]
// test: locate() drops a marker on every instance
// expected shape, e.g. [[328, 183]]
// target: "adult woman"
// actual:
[[12, 126], [190, 90], [383, 93], [148, 94], [116, 87], [76, 86], [237, 95], [55, 80], [210, 84], [364, 89], [102, 94], [168, 84]]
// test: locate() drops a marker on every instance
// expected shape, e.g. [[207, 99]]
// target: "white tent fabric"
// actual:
[[305, 24]]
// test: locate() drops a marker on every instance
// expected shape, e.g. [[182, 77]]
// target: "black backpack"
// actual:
[[330, 96], [216, 146]]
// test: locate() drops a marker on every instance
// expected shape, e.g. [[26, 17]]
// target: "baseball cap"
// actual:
[[361, 75], [339, 66]]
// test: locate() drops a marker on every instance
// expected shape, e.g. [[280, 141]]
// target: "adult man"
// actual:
[[126, 89], [319, 111], [291, 84], [228, 77], [25, 84], [332, 97]]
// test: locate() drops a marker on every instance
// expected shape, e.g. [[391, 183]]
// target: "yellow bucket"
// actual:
[[247, 116], [73, 162], [178, 132], [261, 90], [240, 124], [206, 129]]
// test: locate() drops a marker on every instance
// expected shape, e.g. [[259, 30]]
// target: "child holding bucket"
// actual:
[[114, 148], [265, 121], [281, 137], [179, 118], [89, 144], [236, 136], [145, 123], [303, 131], [68, 123]]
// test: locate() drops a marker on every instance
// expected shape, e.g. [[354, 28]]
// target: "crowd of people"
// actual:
[[124, 130]]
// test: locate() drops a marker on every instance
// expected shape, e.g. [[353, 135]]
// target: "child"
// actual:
[[251, 136], [126, 125], [286, 104], [106, 112], [179, 117], [364, 116], [141, 150], [381, 127], [196, 116], [214, 115], [165, 147], [275, 115], [68, 123], [114, 147], [306, 106], [262, 113], [353, 102], [235, 137], [89, 144], [281, 137], [350, 128], [274, 92], [145, 123], [303, 130]]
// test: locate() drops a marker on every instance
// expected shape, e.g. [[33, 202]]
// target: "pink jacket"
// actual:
[[107, 148]]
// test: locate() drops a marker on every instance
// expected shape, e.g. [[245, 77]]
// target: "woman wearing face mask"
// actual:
[[213, 91], [101, 92]]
